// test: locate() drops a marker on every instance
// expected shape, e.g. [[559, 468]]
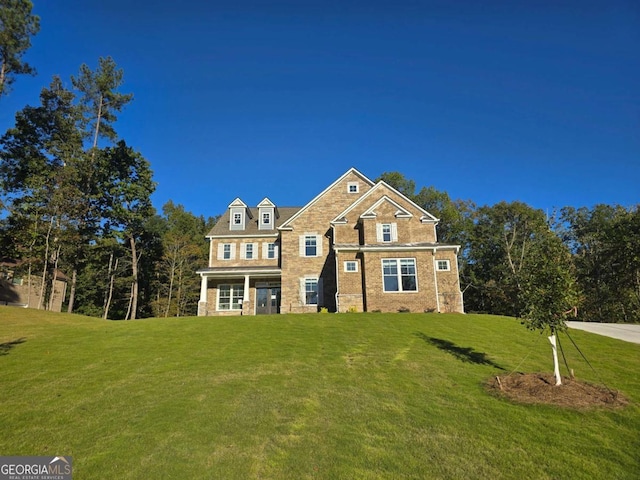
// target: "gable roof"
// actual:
[[237, 203], [266, 203], [317, 197], [426, 216], [401, 211]]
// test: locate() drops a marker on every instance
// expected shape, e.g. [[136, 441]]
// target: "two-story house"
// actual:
[[357, 246]]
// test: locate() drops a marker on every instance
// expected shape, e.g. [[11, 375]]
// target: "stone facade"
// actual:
[[357, 246]]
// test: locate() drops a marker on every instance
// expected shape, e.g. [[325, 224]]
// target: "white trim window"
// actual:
[[350, 266], [387, 232], [353, 187], [230, 297], [226, 251], [443, 265], [310, 245], [248, 251], [311, 290], [399, 275], [266, 219], [269, 251]]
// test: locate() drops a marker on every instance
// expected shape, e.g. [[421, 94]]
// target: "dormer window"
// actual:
[[238, 213], [237, 218], [266, 215]]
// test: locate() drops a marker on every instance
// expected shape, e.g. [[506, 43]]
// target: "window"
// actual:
[[353, 187], [266, 216], [310, 246], [230, 297], [387, 232], [443, 265], [269, 250], [350, 266], [226, 251], [248, 251], [399, 275], [237, 215], [311, 291]]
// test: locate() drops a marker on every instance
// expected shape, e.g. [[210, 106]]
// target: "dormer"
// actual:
[[238, 213], [266, 215]]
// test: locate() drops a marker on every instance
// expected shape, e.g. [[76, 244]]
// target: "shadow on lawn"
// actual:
[[466, 354], [5, 347]]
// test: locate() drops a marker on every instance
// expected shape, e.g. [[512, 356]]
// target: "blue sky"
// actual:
[[489, 101]]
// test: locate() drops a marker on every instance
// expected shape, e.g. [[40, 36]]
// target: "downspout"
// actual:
[[458, 277], [333, 228], [435, 281]]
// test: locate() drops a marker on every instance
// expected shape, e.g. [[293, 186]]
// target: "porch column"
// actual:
[[245, 298], [202, 304]]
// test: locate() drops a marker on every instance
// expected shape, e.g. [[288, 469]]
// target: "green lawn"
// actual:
[[344, 396]]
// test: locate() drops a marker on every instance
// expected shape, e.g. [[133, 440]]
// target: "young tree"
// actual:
[[549, 292], [17, 26]]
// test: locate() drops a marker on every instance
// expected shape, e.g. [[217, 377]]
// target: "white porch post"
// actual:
[[202, 304], [245, 298]]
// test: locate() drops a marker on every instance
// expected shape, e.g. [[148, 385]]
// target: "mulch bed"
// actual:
[[540, 388]]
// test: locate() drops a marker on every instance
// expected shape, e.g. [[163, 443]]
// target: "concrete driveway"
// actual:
[[621, 331]]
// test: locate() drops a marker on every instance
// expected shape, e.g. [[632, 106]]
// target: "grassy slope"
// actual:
[[304, 396]]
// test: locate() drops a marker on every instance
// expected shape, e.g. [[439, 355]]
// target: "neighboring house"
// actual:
[[21, 290], [357, 246]]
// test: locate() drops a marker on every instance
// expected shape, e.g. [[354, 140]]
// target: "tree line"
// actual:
[[77, 199]]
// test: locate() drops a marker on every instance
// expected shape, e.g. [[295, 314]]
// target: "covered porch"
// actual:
[[239, 291]]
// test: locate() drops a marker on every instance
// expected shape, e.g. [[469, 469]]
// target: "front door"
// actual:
[[267, 300]]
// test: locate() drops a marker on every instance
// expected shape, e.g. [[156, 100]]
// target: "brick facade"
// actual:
[[336, 252]]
